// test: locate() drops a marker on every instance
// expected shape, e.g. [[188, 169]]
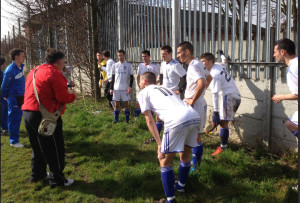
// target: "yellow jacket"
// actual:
[[103, 73]]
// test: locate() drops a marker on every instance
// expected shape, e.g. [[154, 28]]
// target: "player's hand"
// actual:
[[111, 92], [176, 92], [5, 98], [277, 98], [216, 117], [129, 90], [189, 102], [105, 81], [159, 154]]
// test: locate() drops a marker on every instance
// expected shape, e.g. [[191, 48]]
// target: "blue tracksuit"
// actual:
[[13, 85], [4, 110]]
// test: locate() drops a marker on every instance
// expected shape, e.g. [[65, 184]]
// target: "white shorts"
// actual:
[[201, 107], [176, 138], [121, 95], [294, 118], [229, 105]]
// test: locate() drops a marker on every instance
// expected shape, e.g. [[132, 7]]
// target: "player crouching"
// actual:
[[181, 123], [222, 84]]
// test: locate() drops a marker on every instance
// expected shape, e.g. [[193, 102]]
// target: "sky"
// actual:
[[7, 20]]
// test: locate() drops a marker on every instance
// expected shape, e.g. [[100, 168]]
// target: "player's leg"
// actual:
[[167, 176], [117, 111], [224, 135], [198, 150], [137, 110], [127, 110], [292, 124]]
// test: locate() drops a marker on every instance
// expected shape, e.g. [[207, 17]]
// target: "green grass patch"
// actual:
[[111, 163]]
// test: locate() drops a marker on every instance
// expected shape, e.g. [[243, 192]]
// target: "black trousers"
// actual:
[[107, 94], [46, 150]]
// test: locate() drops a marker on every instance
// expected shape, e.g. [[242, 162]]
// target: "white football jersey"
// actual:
[[223, 58], [152, 67], [292, 76], [196, 70], [172, 72], [109, 66], [122, 72], [166, 105], [222, 82]]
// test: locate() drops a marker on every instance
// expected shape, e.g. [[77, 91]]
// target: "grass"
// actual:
[[110, 163]]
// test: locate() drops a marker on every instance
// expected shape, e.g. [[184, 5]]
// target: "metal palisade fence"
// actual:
[[245, 30]]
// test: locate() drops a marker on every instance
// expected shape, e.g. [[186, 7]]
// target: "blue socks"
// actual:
[[116, 113], [168, 181], [224, 135], [137, 112], [127, 114], [295, 133], [159, 125], [197, 155], [183, 175]]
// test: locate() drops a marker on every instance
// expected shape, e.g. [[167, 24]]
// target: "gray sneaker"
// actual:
[[17, 145], [69, 182]]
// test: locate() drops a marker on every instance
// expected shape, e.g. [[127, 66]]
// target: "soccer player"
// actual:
[[180, 130], [12, 90], [142, 68], [197, 77], [102, 63], [223, 57], [284, 52], [222, 84], [121, 85], [170, 73], [108, 69]]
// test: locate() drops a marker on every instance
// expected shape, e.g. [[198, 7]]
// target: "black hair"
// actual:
[[53, 55], [121, 51], [287, 45], [220, 52], [15, 52], [146, 52], [106, 53], [2, 61], [208, 56], [185, 45], [167, 47]]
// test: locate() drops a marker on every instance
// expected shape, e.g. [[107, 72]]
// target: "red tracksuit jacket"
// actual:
[[52, 89]]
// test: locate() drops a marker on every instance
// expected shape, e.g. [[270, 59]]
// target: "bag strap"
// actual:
[[43, 110]]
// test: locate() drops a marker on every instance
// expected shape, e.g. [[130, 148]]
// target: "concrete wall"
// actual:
[[257, 112]]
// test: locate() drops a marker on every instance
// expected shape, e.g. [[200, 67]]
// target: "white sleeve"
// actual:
[[179, 70], [131, 70], [215, 85], [138, 70], [144, 102], [113, 70], [157, 69], [216, 101], [196, 73]]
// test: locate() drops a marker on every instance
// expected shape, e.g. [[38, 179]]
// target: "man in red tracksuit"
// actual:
[[53, 92]]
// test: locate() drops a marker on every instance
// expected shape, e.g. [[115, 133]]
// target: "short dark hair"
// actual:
[[220, 52], [15, 52], [146, 52], [208, 56], [287, 45], [53, 55], [121, 51], [106, 53], [185, 45], [2, 61], [167, 47], [100, 52], [150, 77]]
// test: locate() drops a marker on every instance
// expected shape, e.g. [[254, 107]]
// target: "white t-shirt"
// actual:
[[152, 67], [166, 105], [172, 72], [122, 72], [292, 76], [109, 66], [222, 82], [196, 71]]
